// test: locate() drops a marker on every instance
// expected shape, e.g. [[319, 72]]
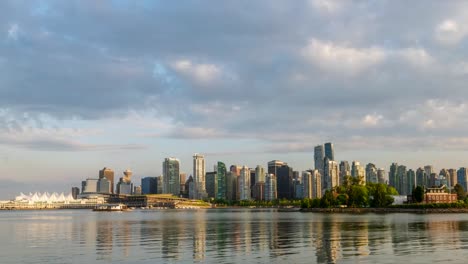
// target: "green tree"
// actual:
[[461, 194], [358, 196], [380, 196], [328, 200], [418, 194]]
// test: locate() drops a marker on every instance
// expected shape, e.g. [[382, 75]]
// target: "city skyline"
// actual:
[[124, 85]]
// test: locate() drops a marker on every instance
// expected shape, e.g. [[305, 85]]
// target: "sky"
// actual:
[[124, 84]]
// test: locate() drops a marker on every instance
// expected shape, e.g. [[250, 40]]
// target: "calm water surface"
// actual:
[[230, 236]]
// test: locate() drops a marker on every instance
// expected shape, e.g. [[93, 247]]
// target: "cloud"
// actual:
[[203, 74], [449, 32], [371, 120], [13, 32], [340, 58]]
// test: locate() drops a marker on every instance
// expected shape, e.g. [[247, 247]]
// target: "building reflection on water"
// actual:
[[240, 236]]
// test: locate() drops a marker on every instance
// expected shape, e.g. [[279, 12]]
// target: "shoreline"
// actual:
[[385, 210]]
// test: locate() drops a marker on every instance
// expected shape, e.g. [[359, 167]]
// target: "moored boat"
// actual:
[[111, 208]]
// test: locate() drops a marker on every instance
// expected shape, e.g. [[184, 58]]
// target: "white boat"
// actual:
[[111, 208]]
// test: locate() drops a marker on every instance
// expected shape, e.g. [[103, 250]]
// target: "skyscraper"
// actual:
[[171, 176], [284, 182], [259, 174], [392, 176], [462, 178], [331, 176], [125, 185], [358, 172], [371, 173], [345, 170], [319, 155], [109, 175], [270, 187], [211, 184], [149, 185], [75, 192], [329, 151], [274, 165], [307, 184], [411, 181], [221, 179], [199, 173], [421, 178], [402, 180], [452, 177], [382, 178], [244, 184]]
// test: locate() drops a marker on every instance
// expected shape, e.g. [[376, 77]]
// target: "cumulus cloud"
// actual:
[[201, 73], [449, 32], [341, 58], [371, 119]]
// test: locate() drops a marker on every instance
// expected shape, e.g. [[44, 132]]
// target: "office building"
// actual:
[[319, 156], [402, 180], [221, 180], [270, 187], [259, 174], [452, 177], [244, 184], [393, 177], [171, 176], [411, 181], [284, 182], [199, 173], [75, 191], [149, 185], [231, 185], [109, 175], [371, 173], [329, 151], [382, 178], [421, 178], [345, 170], [274, 165], [90, 186], [104, 186], [462, 178], [211, 184]]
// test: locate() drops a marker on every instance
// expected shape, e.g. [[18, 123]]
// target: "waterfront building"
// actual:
[[211, 184], [75, 191], [462, 178], [316, 184], [274, 165], [109, 175], [104, 186], [171, 176], [439, 195], [270, 187], [149, 185], [244, 184], [235, 169], [307, 184], [345, 170], [452, 178], [421, 178], [221, 180], [402, 180], [329, 151], [411, 181], [371, 173], [319, 157], [358, 172], [284, 182], [252, 181], [331, 175], [258, 192], [160, 184], [90, 186], [125, 185], [189, 192], [259, 174], [393, 179], [381, 176], [231, 185], [137, 190], [199, 173]]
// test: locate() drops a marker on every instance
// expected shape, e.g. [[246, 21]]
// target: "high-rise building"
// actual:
[[244, 184], [199, 173], [160, 184], [189, 188], [258, 192], [171, 176], [104, 186], [221, 180], [307, 184], [231, 185], [90, 186], [211, 184], [329, 151], [452, 177], [259, 174], [125, 185], [331, 176], [183, 178], [75, 191], [421, 178], [319, 156], [274, 165], [462, 178], [411, 181], [235, 169], [284, 182], [345, 170], [402, 180], [270, 187], [137, 190], [393, 179], [371, 173], [358, 172], [312, 183], [149, 185], [428, 169], [109, 175], [381, 176]]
